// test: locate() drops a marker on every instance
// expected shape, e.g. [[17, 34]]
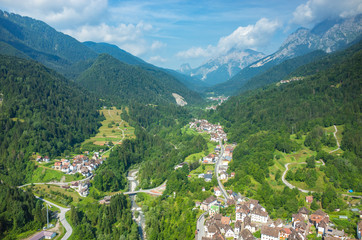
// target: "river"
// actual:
[[140, 220]]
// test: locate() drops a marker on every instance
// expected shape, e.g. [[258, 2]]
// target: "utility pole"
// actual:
[[47, 217]]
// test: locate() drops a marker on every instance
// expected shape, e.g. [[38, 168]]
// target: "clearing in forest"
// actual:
[[113, 128]]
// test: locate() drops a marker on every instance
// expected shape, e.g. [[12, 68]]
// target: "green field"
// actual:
[[113, 128], [42, 174], [196, 156]]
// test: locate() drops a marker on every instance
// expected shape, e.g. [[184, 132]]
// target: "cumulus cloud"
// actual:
[[59, 13], [157, 45], [314, 11], [251, 36], [129, 37]]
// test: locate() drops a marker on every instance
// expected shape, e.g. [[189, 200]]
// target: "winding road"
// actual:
[[307, 191], [62, 218], [335, 136]]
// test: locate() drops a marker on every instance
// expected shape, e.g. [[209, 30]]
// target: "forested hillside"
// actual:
[[37, 40], [123, 83], [280, 71], [261, 121], [40, 112], [331, 96]]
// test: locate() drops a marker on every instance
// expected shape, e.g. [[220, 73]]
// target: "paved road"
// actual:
[[57, 183], [158, 191], [62, 218], [287, 183], [200, 226], [303, 190], [335, 136], [217, 170]]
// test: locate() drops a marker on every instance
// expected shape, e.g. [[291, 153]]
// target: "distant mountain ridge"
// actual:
[[329, 36], [32, 39], [222, 68]]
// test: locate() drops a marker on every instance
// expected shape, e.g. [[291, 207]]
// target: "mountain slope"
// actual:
[[39, 41], [281, 71], [191, 82], [329, 93], [41, 111], [116, 52], [112, 78], [222, 68], [328, 36], [262, 121]]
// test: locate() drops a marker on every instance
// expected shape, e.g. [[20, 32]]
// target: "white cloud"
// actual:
[[196, 52], [251, 36], [157, 45], [129, 37], [157, 59], [314, 11], [59, 13]]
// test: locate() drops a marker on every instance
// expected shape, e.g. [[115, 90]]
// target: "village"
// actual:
[[219, 99], [81, 164], [249, 216], [215, 130]]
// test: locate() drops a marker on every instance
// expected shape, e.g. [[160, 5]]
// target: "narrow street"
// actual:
[[200, 227]]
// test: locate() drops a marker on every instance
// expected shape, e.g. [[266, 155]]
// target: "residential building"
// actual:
[[205, 205], [208, 177], [309, 199], [246, 235], [44, 235], [217, 191], [269, 233], [258, 215]]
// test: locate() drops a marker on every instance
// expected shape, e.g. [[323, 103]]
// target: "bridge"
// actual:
[[157, 191]]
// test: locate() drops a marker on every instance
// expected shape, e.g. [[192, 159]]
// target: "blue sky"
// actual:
[[168, 33]]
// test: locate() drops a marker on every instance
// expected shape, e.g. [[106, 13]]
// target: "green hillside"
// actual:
[[30, 38], [192, 83], [124, 83], [41, 112], [262, 122]]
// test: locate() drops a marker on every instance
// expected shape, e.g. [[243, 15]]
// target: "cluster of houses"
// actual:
[[45, 159], [82, 187], [215, 130], [81, 164], [250, 217], [219, 99], [301, 223], [291, 80]]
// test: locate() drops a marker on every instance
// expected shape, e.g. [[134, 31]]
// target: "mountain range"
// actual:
[[226, 74], [222, 68], [28, 38], [328, 36]]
